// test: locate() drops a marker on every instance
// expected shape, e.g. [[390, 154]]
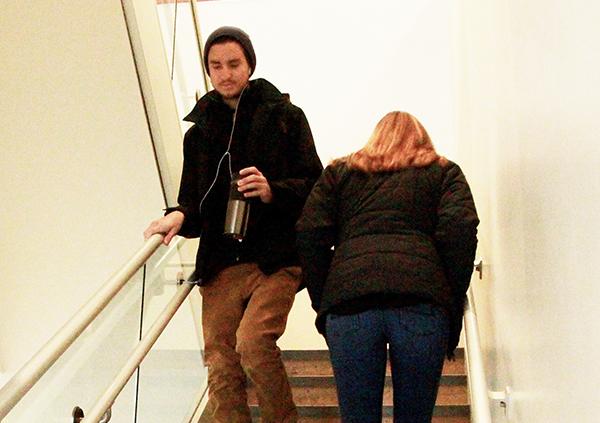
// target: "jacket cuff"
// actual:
[[172, 209]]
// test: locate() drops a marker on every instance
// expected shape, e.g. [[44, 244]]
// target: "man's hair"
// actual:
[[231, 33], [398, 141]]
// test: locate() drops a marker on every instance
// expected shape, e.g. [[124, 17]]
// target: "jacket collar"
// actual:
[[259, 91]]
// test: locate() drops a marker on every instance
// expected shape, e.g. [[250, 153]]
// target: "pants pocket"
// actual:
[[422, 319]]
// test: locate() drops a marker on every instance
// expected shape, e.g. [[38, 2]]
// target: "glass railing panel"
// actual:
[[83, 372], [177, 23], [172, 374]]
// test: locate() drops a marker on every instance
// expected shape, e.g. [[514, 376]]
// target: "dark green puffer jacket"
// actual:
[[271, 134], [410, 234]]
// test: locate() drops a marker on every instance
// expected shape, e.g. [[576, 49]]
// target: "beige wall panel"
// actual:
[[78, 174]]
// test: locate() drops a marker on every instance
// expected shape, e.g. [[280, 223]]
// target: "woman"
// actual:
[[387, 241]]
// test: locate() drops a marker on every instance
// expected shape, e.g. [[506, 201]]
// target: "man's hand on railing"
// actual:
[[168, 225]]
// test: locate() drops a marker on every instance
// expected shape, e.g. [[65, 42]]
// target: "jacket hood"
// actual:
[[259, 91]]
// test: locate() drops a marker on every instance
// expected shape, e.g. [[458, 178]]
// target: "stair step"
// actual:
[[462, 419], [321, 391], [317, 363], [313, 387], [330, 414]]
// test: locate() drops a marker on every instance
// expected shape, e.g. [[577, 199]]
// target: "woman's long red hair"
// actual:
[[398, 141]]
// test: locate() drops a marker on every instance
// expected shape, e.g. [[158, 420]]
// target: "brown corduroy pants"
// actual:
[[244, 314]]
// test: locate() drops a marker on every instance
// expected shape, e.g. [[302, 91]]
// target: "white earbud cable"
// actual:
[[226, 154]]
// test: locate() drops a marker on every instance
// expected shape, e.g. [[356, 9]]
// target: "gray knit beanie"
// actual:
[[234, 34]]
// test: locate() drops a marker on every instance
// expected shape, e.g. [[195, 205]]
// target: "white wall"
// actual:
[[347, 64], [79, 181], [529, 107]]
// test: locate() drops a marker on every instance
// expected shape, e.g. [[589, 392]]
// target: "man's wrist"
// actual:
[[177, 215]]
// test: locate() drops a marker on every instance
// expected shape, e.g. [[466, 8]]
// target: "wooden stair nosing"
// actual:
[[312, 381], [315, 355], [317, 362], [388, 411]]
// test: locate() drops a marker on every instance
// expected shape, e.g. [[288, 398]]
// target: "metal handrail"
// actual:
[[36, 367], [138, 354], [478, 388]]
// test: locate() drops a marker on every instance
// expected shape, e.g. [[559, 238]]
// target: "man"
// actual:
[[247, 286]]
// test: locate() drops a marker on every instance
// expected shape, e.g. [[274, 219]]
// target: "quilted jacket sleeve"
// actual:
[[316, 232], [456, 241]]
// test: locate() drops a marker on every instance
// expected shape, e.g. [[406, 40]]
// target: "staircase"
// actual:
[[313, 388]]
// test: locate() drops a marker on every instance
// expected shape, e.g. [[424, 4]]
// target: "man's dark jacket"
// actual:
[[400, 237], [271, 134]]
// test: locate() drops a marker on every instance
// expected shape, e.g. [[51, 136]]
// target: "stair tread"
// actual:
[[387, 411], [317, 362], [313, 388], [326, 380], [461, 419], [326, 395], [324, 354]]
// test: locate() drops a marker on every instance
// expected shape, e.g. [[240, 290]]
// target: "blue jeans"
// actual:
[[417, 336]]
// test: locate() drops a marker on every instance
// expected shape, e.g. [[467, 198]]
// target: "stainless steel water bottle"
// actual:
[[238, 211]]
